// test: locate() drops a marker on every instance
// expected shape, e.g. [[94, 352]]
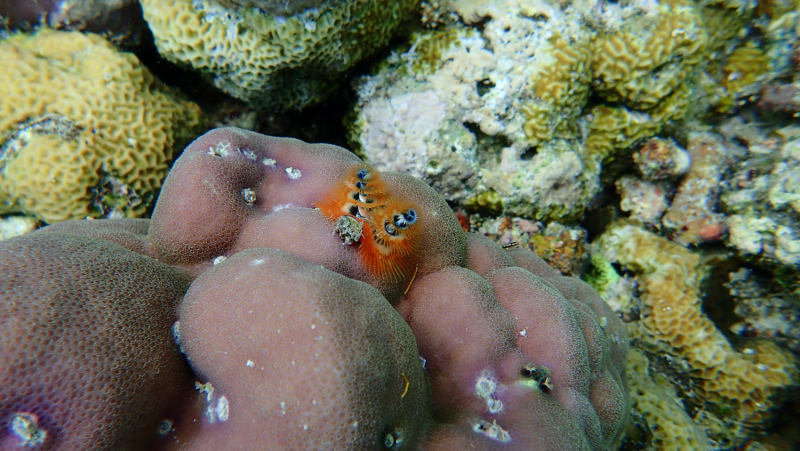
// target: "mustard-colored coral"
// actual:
[[429, 47], [669, 278], [655, 399], [81, 123], [613, 128], [745, 65], [647, 65], [650, 56], [560, 88], [269, 60], [487, 203]]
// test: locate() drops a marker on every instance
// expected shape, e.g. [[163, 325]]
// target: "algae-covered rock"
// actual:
[[762, 196], [502, 103]]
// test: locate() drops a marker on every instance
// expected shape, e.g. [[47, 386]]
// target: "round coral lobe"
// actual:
[[87, 359]]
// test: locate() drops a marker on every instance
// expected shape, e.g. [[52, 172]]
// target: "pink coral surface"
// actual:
[[295, 343]]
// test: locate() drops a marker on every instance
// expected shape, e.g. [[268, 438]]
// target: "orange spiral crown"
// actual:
[[390, 229]]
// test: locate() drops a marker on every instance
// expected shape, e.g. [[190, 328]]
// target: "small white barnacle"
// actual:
[[249, 154], [293, 173], [350, 229], [492, 430], [268, 161], [206, 388], [249, 195], [222, 409], [26, 427], [220, 150]]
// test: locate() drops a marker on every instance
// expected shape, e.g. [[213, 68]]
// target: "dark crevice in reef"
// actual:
[[718, 303], [489, 147]]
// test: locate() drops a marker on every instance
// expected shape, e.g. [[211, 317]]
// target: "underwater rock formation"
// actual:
[[693, 217], [762, 198], [87, 131], [117, 18], [278, 57], [278, 322], [500, 104]]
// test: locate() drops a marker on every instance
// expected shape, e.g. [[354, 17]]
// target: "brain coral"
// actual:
[[87, 359], [746, 381], [272, 58], [512, 353], [84, 130]]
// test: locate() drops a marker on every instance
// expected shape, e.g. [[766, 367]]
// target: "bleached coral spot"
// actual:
[[486, 388], [492, 430], [26, 427], [222, 409], [293, 173]]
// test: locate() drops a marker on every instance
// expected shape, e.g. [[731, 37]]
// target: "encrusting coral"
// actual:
[[655, 399], [85, 130], [669, 277], [280, 328]]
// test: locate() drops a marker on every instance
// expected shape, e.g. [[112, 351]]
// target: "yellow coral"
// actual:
[[650, 56], [616, 127], [744, 66], [488, 203], [648, 66], [560, 88], [267, 60], [669, 278], [655, 399], [429, 47], [81, 122]]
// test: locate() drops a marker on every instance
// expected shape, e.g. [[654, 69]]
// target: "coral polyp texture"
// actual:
[[326, 364], [500, 102], [746, 380], [274, 54], [86, 130], [299, 340], [87, 359]]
